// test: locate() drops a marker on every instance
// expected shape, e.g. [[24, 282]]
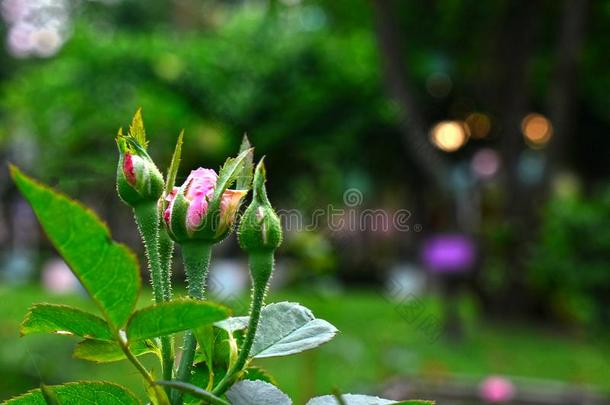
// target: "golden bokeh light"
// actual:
[[449, 136], [537, 130], [479, 124]]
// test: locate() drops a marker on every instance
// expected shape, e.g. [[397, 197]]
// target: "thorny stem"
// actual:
[[261, 267], [196, 256], [148, 217]]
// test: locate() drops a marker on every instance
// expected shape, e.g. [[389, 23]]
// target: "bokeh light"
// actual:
[[485, 163], [449, 136], [479, 124], [536, 129], [36, 27]]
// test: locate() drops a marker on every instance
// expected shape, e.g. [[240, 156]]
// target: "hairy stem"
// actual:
[[261, 267], [196, 256], [148, 217], [166, 251]]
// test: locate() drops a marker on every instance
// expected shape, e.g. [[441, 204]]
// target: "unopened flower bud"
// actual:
[[187, 209], [138, 178], [260, 229]]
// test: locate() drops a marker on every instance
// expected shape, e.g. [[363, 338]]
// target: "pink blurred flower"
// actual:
[[58, 278], [496, 389]]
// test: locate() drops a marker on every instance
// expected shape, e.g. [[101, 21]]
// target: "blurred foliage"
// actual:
[[570, 262], [304, 97]]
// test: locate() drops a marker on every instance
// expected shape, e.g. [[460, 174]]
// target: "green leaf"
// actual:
[[201, 377], [244, 179], [254, 373], [64, 320], [351, 399], [107, 352], [257, 392], [416, 402], [109, 271], [287, 328], [171, 317], [172, 172], [80, 393], [195, 391]]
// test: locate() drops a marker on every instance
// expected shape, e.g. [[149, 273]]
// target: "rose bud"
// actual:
[[260, 229], [138, 178], [187, 207]]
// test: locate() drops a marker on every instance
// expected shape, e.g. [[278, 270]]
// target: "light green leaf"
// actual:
[[136, 129], [287, 328], [107, 352], [351, 399], [109, 271], [171, 317], [80, 393], [233, 324], [257, 392], [64, 320]]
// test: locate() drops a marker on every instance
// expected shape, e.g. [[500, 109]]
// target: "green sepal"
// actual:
[[244, 179], [172, 172]]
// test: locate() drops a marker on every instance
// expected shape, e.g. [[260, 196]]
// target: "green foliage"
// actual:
[[108, 270], [63, 319], [569, 264], [287, 328], [171, 317], [80, 393]]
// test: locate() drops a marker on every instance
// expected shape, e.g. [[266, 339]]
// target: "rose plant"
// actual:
[[216, 362]]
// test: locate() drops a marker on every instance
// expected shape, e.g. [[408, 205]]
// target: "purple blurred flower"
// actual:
[[448, 253]]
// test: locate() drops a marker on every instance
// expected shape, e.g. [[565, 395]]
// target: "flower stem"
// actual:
[[166, 251], [148, 217], [121, 338], [261, 267], [196, 256]]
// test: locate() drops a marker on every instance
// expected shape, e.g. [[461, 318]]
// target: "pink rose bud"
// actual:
[[197, 193], [138, 179], [497, 389]]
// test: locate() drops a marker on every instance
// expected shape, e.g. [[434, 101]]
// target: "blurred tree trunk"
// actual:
[[562, 91], [516, 44], [399, 86]]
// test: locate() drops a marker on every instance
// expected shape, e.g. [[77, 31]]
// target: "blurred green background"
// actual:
[[479, 126]]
